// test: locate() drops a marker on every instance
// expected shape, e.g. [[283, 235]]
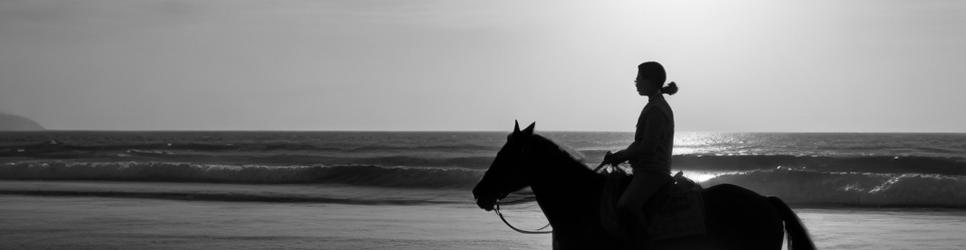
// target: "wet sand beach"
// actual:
[[51, 222]]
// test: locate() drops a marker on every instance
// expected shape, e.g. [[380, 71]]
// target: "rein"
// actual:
[[538, 231]]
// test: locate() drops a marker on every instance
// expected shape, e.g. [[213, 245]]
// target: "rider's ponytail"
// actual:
[[670, 89]]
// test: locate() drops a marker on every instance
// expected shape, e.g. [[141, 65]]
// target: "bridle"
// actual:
[[540, 230]]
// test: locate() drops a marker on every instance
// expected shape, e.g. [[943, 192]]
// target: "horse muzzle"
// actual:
[[486, 201]]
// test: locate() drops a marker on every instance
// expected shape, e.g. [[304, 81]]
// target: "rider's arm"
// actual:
[[652, 129]]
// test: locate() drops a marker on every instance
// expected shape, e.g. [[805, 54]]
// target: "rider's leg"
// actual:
[[644, 184]]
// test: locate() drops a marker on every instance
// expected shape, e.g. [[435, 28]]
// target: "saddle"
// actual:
[[675, 211]]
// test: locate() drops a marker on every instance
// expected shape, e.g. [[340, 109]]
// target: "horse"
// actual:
[[568, 193]]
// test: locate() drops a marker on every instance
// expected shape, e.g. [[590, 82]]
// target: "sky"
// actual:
[[741, 65]]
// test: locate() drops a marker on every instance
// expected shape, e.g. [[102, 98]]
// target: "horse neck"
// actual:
[[566, 190]]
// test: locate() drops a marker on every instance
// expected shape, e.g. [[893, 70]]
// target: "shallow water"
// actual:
[[106, 223], [886, 228], [109, 223]]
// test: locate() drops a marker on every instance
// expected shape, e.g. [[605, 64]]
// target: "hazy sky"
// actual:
[[826, 65]]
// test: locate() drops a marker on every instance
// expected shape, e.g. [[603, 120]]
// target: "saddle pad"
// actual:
[[677, 210]]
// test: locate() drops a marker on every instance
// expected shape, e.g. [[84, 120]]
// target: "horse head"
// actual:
[[509, 171]]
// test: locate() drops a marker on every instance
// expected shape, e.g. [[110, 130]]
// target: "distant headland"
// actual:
[[9, 122]]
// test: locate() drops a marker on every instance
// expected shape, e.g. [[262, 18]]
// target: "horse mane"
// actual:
[[572, 154]]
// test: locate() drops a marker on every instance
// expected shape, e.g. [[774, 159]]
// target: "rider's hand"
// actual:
[[608, 158]]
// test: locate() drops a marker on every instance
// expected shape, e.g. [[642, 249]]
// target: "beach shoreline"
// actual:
[[50, 222]]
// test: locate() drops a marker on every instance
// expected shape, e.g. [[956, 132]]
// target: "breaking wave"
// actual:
[[230, 196], [55, 146], [871, 164], [852, 188], [895, 164], [795, 186], [362, 175]]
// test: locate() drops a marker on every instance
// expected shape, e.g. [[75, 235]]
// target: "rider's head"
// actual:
[[650, 80]]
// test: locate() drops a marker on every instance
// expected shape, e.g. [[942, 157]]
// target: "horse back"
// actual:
[[741, 218]]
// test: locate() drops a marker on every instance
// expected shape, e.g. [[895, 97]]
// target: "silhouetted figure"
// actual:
[[574, 199], [650, 153]]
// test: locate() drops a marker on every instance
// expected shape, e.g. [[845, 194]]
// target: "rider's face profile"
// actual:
[[642, 85]]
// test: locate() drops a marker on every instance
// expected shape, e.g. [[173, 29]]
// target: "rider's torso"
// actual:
[[658, 159]]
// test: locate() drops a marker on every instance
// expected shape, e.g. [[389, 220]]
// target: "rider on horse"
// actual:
[[650, 153]]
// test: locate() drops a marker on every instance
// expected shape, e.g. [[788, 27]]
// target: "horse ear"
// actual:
[[529, 129], [516, 127]]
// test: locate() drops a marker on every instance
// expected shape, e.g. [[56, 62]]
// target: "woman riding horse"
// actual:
[[569, 193], [650, 153]]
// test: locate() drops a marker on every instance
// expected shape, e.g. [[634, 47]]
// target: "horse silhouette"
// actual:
[[568, 193]]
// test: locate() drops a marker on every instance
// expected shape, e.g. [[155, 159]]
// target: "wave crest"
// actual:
[[800, 187], [852, 188], [189, 172]]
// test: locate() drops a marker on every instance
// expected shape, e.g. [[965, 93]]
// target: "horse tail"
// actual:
[[798, 238]]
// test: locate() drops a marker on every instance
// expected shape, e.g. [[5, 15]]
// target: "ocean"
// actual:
[[917, 175]]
